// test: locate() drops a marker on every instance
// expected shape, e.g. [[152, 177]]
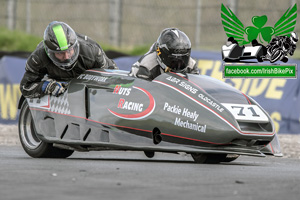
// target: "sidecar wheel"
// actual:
[[231, 157], [208, 158], [31, 144], [260, 59]]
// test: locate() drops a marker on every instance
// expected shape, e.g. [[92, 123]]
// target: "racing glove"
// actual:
[[53, 87]]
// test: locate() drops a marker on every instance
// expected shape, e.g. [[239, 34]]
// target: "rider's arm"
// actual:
[[141, 72], [273, 41], [93, 55], [101, 60], [31, 83], [192, 67], [292, 49]]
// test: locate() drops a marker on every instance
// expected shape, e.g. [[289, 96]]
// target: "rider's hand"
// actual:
[[53, 87]]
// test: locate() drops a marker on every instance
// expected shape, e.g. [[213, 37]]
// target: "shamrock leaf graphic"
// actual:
[[263, 33], [233, 27], [259, 22]]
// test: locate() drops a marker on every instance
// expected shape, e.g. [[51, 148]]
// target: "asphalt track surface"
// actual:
[[130, 175]]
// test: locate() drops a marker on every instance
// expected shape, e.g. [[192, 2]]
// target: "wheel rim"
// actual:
[[27, 130], [276, 56]]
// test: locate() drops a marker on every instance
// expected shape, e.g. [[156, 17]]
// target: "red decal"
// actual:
[[140, 115], [117, 88], [121, 102]]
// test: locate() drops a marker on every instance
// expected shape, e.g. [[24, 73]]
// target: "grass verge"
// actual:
[[20, 41]]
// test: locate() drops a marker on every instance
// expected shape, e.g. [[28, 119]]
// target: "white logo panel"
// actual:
[[247, 113], [43, 102]]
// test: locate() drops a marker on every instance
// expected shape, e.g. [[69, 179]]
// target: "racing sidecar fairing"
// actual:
[[109, 110]]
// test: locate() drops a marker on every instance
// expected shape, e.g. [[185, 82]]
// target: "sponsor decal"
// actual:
[[133, 106], [129, 105], [188, 87], [193, 90], [121, 90], [43, 102], [193, 115], [92, 77], [172, 108], [183, 84], [211, 102], [189, 125], [185, 112], [173, 79]]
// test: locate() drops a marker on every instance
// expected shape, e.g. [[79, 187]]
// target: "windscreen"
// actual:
[[222, 92]]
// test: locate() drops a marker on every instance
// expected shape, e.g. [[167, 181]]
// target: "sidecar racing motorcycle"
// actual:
[[232, 52], [109, 110]]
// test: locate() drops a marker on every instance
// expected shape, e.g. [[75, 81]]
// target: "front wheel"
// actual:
[[31, 144], [276, 55], [208, 158]]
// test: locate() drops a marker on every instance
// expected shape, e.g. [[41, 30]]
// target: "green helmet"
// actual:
[[61, 44]]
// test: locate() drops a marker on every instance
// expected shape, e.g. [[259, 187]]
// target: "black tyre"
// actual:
[[231, 157], [276, 55], [208, 158], [260, 59], [285, 59], [31, 144]]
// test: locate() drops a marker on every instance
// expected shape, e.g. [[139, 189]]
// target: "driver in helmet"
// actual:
[[291, 42], [170, 53], [61, 56], [288, 42]]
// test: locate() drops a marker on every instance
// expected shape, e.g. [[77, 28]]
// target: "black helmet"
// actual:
[[173, 50], [294, 37], [61, 44]]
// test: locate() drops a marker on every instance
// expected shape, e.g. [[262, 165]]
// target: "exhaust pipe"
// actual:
[[156, 136]]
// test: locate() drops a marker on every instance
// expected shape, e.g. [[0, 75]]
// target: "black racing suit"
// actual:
[[39, 64], [147, 67], [279, 42]]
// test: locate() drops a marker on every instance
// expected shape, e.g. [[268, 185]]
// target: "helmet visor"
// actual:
[[64, 59], [178, 62]]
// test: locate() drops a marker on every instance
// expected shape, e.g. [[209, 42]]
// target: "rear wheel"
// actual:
[[208, 158], [260, 59], [31, 144]]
